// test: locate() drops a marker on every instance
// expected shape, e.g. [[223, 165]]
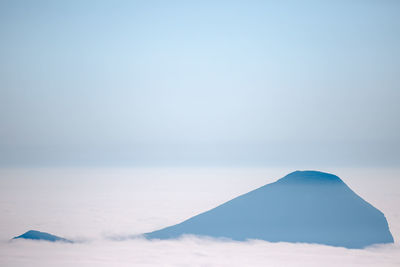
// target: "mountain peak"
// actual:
[[37, 235], [310, 177], [303, 206]]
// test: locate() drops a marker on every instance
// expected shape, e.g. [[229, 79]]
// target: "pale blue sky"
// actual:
[[199, 83]]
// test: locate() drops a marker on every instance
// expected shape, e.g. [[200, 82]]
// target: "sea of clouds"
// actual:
[[101, 207]]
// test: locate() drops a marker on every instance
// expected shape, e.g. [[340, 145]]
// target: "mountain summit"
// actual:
[[37, 235], [303, 206]]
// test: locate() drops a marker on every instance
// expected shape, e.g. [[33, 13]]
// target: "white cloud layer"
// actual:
[[95, 204], [191, 251]]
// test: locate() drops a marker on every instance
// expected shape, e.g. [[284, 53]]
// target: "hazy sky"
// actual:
[[199, 83]]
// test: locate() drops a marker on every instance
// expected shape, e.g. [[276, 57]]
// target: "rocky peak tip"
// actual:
[[32, 231], [311, 176]]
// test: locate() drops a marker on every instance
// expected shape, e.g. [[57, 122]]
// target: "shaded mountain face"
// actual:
[[36, 235], [304, 206]]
